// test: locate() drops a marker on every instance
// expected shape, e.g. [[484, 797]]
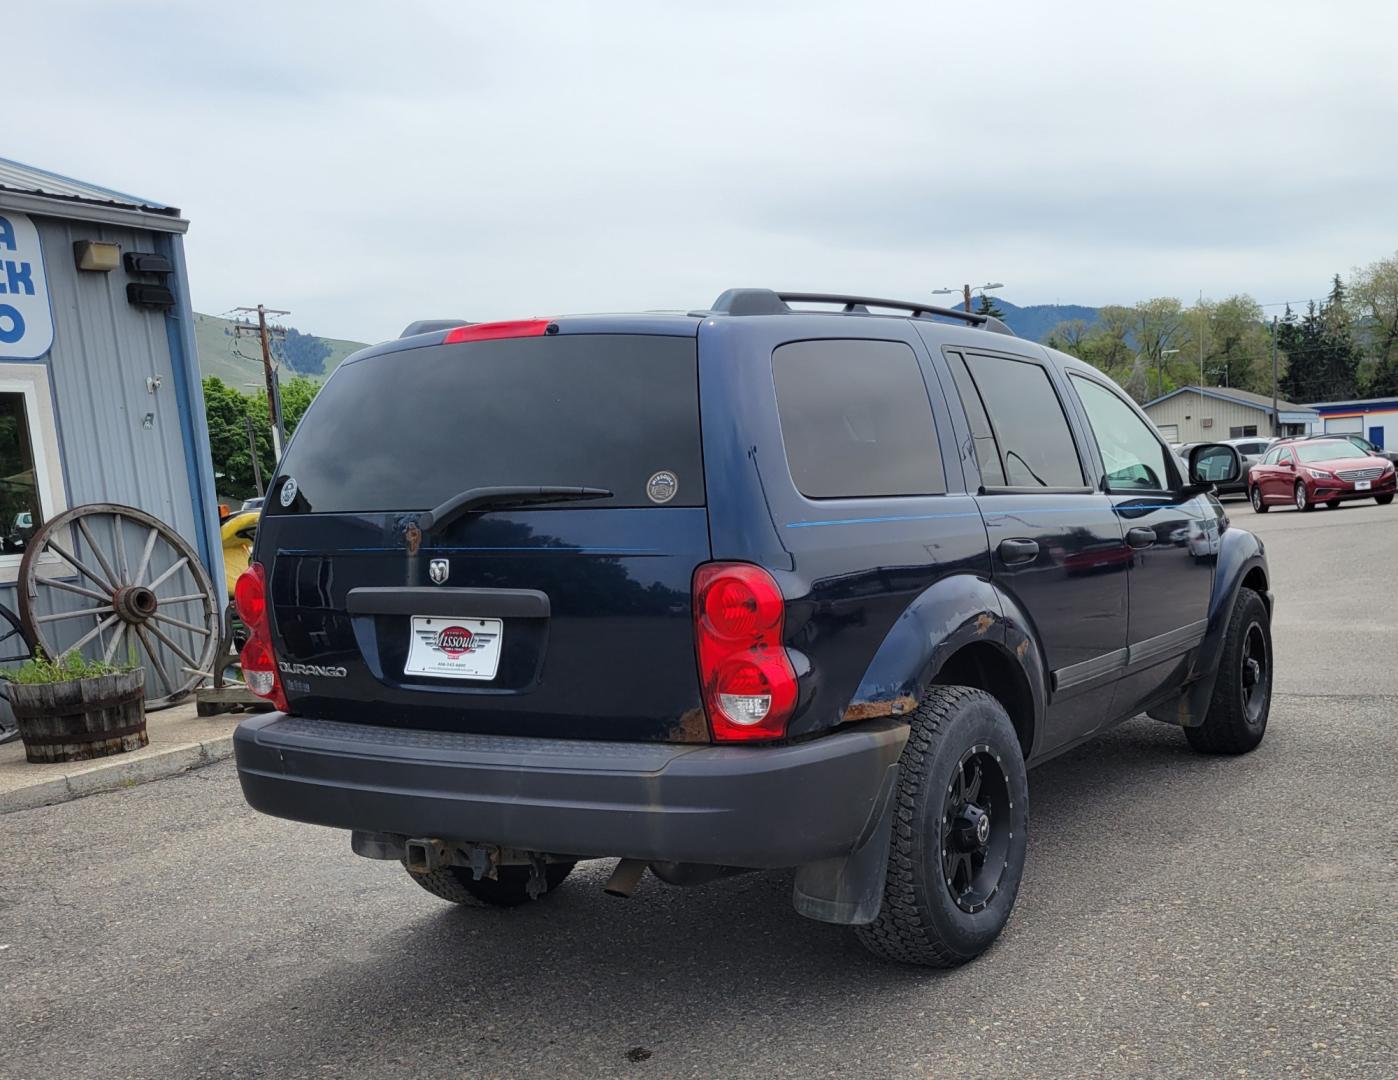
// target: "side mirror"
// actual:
[[1287, 464], [1214, 463]]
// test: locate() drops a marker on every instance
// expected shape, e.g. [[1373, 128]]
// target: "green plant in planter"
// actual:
[[42, 669]]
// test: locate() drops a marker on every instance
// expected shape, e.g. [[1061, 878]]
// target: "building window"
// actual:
[[1248, 431], [31, 481]]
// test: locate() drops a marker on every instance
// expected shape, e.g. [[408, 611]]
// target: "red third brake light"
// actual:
[[258, 660], [748, 682], [493, 331]]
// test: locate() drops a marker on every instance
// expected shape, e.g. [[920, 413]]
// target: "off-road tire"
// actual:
[[919, 922], [1227, 728], [1255, 497], [1301, 499], [1383, 500], [510, 887]]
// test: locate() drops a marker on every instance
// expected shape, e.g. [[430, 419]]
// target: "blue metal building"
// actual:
[[100, 395]]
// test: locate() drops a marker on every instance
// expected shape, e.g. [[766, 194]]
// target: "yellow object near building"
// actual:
[[239, 531]]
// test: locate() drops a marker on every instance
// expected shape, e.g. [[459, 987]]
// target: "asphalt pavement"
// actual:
[[1181, 916]]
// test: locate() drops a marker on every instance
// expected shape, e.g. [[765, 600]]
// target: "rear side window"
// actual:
[[987, 452], [408, 430], [1036, 446], [856, 420]]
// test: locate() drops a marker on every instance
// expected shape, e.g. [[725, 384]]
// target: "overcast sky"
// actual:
[[369, 164]]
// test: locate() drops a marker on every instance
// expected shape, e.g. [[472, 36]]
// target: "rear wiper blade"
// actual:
[[494, 498]]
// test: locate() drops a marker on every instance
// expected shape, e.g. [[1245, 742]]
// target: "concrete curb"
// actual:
[[114, 773]]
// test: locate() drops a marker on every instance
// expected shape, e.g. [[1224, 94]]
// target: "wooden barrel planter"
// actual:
[[80, 719]]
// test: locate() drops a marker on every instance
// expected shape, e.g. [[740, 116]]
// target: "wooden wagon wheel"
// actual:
[[78, 591]]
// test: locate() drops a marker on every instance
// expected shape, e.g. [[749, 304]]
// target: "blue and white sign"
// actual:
[[26, 320]]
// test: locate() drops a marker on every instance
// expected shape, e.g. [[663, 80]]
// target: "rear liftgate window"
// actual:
[[408, 430], [856, 420]]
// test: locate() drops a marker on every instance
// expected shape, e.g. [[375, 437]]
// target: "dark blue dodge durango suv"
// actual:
[[796, 581]]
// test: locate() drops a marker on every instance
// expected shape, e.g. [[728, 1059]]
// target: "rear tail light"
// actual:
[[258, 660], [748, 682], [494, 331]]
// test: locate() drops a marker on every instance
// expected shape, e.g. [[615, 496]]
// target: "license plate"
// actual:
[[446, 648], [1362, 485]]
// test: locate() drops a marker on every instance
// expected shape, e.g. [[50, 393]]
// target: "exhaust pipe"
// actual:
[[625, 877]]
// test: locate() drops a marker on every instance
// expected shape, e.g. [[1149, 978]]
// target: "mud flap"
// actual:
[[849, 889]]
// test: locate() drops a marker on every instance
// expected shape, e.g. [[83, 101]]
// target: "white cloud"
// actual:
[[366, 165]]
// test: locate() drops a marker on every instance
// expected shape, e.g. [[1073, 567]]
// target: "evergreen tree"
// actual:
[[989, 307]]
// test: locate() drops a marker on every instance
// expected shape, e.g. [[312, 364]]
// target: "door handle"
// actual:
[[1140, 538], [1018, 550]]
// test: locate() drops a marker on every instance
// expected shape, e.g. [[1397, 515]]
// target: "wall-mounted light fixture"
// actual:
[[149, 296], [98, 255], [143, 262]]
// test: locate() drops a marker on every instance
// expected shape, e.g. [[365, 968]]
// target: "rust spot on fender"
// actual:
[[984, 621], [1022, 648], [869, 710]]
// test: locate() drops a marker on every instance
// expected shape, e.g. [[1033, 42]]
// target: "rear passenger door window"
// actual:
[[1029, 431], [856, 420]]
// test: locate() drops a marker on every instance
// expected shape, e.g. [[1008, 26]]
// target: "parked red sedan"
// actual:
[[1305, 472]]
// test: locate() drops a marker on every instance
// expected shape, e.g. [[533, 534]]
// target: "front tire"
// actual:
[[1303, 500], [1237, 717], [1383, 500], [1258, 506], [960, 829], [509, 888]]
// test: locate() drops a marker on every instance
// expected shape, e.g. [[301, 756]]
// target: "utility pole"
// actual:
[[252, 448], [1276, 415], [965, 291], [1201, 339], [966, 297], [264, 332]]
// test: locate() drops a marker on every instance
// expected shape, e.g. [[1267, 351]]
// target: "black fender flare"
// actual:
[[1240, 553], [956, 611]]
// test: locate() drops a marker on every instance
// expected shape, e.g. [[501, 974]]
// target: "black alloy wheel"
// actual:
[[976, 829]]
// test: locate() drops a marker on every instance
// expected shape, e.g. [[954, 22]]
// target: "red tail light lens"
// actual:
[[260, 668], [250, 596], [258, 660], [748, 682], [493, 331]]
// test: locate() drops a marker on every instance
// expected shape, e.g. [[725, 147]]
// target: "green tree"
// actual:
[[1236, 342], [988, 306], [228, 411], [1373, 301], [303, 353]]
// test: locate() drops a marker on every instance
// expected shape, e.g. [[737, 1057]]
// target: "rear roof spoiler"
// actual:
[[427, 326], [768, 302]]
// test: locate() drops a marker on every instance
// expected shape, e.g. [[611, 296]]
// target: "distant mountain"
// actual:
[[1034, 322], [219, 349]]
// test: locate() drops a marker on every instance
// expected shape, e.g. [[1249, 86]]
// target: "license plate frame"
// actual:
[[449, 647]]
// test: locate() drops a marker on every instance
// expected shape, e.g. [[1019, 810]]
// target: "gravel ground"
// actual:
[[1181, 917]]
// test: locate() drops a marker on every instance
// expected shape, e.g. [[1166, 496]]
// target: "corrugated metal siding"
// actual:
[[1189, 410], [26, 178], [103, 352]]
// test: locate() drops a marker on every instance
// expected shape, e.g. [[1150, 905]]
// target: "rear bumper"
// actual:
[[738, 806]]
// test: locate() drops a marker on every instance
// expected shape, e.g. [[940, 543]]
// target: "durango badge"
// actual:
[[663, 486]]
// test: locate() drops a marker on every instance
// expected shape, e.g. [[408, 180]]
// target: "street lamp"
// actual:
[[965, 291]]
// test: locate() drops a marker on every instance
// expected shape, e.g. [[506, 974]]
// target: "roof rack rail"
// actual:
[[769, 302]]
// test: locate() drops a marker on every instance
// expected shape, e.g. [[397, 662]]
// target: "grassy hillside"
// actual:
[[216, 343]]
